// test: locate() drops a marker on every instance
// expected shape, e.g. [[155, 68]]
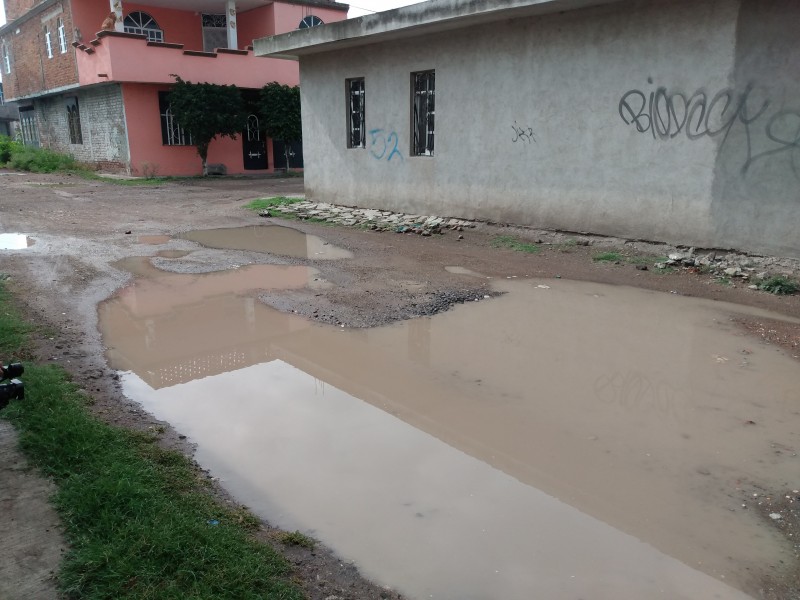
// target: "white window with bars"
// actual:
[[48, 42], [5, 56], [62, 37], [142, 23]]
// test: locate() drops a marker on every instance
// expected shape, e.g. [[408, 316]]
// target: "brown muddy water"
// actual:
[[565, 440], [15, 241], [274, 239]]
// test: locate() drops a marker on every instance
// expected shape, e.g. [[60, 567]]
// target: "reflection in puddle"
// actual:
[[274, 239], [155, 240], [432, 452], [15, 241], [464, 271]]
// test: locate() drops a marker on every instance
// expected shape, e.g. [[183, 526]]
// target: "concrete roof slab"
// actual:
[[433, 16]]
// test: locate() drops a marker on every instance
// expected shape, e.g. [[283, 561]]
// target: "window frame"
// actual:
[[310, 21], [48, 42], [74, 120], [423, 99], [27, 126], [62, 35], [5, 56], [362, 113], [172, 134], [148, 27]]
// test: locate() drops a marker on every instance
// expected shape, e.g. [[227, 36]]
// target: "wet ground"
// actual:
[[579, 439], [575, 438]]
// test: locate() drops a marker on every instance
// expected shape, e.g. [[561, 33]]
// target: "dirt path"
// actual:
[[80, 228]]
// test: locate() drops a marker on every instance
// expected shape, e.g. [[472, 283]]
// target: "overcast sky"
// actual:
[[361, 7]]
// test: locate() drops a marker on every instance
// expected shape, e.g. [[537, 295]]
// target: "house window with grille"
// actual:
[[310, 21], [27, 122], [423, 112], [215, 32], [143, 24], [172, 134], [74, 121], [62, 37], [356, 96], [48, 42], [5, 55]]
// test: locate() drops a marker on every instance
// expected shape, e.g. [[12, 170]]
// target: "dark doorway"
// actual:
[[254, 146], [295, 154]]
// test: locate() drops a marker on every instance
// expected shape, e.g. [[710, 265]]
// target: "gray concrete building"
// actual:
[[666, 120]]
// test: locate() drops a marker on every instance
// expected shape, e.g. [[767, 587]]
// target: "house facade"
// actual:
[[667, 120], [91, 77]]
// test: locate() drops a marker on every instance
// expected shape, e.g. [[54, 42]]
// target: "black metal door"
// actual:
[[254, 147], [295, 154]]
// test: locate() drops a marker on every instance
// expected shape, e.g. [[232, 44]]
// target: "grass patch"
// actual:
[[513, 243], [780, 285], [724, 280], [260, 204], [608, 257], [39, 160], [295, 538], [137, 517]]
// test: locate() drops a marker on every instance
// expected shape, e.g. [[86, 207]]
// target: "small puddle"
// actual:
[[15, 241], [464, 271], [573, 440], [273, 239], [155, 240]]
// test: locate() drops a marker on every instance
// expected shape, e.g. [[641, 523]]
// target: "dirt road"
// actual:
[[81, 228]]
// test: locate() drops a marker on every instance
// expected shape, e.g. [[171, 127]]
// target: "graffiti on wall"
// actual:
[[522, 134], [667, 114], [383, 145]]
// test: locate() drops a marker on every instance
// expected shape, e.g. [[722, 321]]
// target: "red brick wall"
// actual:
[[17, 8], [32, 70]]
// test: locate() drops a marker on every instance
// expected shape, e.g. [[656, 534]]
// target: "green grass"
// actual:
[[39, 160], [138, 519], [295, 538], [608, 257], [513, 243], [780, 285], [260, 204]]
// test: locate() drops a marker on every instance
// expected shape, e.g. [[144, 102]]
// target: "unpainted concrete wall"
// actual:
[[630, 119]]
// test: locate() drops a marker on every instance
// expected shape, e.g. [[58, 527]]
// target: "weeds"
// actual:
[[780, 285], [39, 160], [260, 204], [137, 517], [608, 257], [295, 538], [514, 243]]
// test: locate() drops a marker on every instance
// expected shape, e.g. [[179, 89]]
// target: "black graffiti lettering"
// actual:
[[666, 115], [524, 134]]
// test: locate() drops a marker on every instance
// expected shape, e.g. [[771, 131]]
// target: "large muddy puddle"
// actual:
[[274, 239], [573, 440]]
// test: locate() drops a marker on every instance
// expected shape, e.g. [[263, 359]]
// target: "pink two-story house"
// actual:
[[91, 76]]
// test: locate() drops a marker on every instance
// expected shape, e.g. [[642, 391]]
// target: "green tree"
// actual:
[[207, 110], [280, 113]]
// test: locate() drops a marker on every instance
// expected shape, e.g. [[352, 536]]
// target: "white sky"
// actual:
[[361, 7]]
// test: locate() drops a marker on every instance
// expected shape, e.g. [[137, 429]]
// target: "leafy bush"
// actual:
[[780, 285], [7, 146], [40, 160]]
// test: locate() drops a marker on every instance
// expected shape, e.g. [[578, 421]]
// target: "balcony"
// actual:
[[130, 58]]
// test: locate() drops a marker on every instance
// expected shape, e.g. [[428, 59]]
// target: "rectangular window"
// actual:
[[6, 57], [172, 134], [215, 32], [74, 121], [423, 112], [48, 42], [356, 130], [27, 122], [62, 37]]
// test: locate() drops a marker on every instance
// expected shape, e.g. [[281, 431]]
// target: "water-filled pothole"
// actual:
[[575, 440], [274, 239], [15, 241], [154, 240]]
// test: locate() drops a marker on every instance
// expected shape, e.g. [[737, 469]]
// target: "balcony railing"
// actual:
[[129, 57]]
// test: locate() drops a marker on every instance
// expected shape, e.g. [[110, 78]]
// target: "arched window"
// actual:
[[143, 24], [310, 21]]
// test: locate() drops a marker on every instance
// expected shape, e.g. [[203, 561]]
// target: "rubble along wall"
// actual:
[[669, 120]]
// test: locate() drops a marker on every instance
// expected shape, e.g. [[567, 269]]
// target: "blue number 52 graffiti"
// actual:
[[382, 145]]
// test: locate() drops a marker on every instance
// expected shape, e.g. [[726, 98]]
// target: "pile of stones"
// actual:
[[368, 218], [743, 266]]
